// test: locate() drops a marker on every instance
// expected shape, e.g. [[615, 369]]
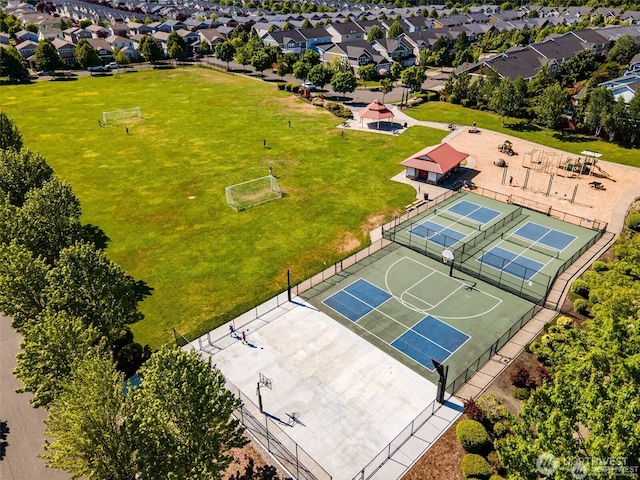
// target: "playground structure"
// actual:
[[506, 147], [555, 163]]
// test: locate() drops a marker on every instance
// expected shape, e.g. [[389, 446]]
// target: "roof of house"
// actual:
[[438, 159]]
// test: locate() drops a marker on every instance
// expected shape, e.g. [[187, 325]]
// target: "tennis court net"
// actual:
[[458, 219], [530, 245]]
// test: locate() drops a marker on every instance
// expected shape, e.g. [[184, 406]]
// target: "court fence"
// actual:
[[268, 433]]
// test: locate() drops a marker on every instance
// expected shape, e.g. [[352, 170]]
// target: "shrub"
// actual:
[[494, 461], [422, 96], [475, 466], [580, 305], [432, 96], [295, 88], [521, 393], [414, 102], [543, 375], [496, 477], [466, 102], [580, 287], [472, 410], [633, 222], [281, 86], [287, 86], [520, 377], [600, 266], [493, 409], [472, 436], [453, 98], [564, 322], [318, 102], [500, 429]]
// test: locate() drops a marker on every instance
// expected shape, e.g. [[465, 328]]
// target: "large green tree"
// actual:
[[176, 46], [51, 347], [10, 136], [21, 171], [413, 77], [623, 51], [368, 72], [506, 99], [87, 285], [174, 440], [599, 105], [320, 75], [550, 105], [260, 61], [375, 33], [386, 86], [395, 29], [150, 49], [90, 424], [23, 279], [344, 82], [86, 55], [225, 51], [634, 118], [47, 57], [11, 63]]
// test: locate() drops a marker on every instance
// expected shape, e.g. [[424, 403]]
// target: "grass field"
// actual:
[[202, 131], [569, 142]]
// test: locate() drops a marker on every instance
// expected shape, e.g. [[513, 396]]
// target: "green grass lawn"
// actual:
[[569, 142], [202, 131]]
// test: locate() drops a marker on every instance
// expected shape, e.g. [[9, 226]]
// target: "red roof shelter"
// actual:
[[434, 163], [376, 110]]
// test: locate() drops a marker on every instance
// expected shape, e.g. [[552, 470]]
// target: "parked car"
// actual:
[[97, 68], [308, 85], [46, 73], [113, 65]]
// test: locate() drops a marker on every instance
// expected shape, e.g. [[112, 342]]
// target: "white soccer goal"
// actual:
[[253, 192], [123, 114]]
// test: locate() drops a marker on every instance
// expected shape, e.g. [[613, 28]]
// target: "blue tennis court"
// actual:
[[545, 236], [514, 264], [434, 232], [430, 338], [474, 211], [356, 300]]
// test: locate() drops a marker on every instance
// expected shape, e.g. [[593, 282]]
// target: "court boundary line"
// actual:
[[429, 239], [417, 310], [499, 213], [512, 261]]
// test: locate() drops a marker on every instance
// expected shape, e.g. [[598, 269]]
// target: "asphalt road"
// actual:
[[22, 425]]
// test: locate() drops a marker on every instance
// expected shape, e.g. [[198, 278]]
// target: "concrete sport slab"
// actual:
[[350, 398]]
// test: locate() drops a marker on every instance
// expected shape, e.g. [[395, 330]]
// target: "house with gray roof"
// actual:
[[289, 41], [395, 50], [356, 53], [345, 32]]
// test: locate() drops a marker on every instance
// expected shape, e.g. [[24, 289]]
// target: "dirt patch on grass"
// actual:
[[346, 242], [373, 221]]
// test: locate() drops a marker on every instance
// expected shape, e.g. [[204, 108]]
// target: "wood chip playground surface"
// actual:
[[350, 360]]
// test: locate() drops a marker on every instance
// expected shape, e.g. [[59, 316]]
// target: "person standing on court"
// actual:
[[510, 180], [264, 143], [231, 330], [244, 338]]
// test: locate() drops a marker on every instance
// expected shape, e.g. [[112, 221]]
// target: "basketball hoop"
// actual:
[[263, 381], [448, 257]]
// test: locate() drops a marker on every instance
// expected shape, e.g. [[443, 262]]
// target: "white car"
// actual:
[[309, 85], [113, 65]]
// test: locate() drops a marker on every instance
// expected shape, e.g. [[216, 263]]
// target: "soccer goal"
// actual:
[[123, 114], [253, 192]]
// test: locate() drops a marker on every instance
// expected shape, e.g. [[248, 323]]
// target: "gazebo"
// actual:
[[434, 163], [377, 111]]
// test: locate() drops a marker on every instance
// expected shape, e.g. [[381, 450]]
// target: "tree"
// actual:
[[468, 55], [301, 70], [386, 86], [244, 54], [84, 23], [47, 57], [618, 121], [260, 61], [375, 33], [87, 285], [176, 46], [306, 24], [225, 51], [623, 51], [311, 58], [21, 171], [577, 67], [395, 30], [461, 43], [460, 87], [150, 50], [120, 57], [171, 442], [344, 82], [50, 348], [368, 72], [23, 278], [11, 64], [634, 118], [10, 136], [440, 55], [282, 68], [90, 424], [86, 55], [413, 77], [396, 69], [550, 105], [320, 75], [599, 105], [505, 100]]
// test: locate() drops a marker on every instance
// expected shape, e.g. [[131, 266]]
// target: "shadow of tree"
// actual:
[[523, 127], [4, 431]]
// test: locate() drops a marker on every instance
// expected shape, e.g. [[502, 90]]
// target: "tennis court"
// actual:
[[409, 306], [517, 249]]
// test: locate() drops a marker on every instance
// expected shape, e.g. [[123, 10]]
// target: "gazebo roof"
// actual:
[[376, 110], [439, 159]]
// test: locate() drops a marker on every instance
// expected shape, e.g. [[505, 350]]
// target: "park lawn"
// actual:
[[568, 142], [202, 131]]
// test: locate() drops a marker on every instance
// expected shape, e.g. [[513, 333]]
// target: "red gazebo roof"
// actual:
[[376, 110]]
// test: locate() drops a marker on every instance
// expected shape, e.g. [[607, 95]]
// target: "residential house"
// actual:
[[345, 32], [419, 41], [634, 65], [314, 37], [116, 41], [5, 39], [24, 35], [395, 49], [289, 41], [191, 40], [452, 21], [27, 49], [50, 34], [505, 16], [433, 164], [66, 50], [212, 37], [138, 28], [355, 53], [103, 48], [624, 87], [417, 24], [171, 26], [75, 34], [97, 31]]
